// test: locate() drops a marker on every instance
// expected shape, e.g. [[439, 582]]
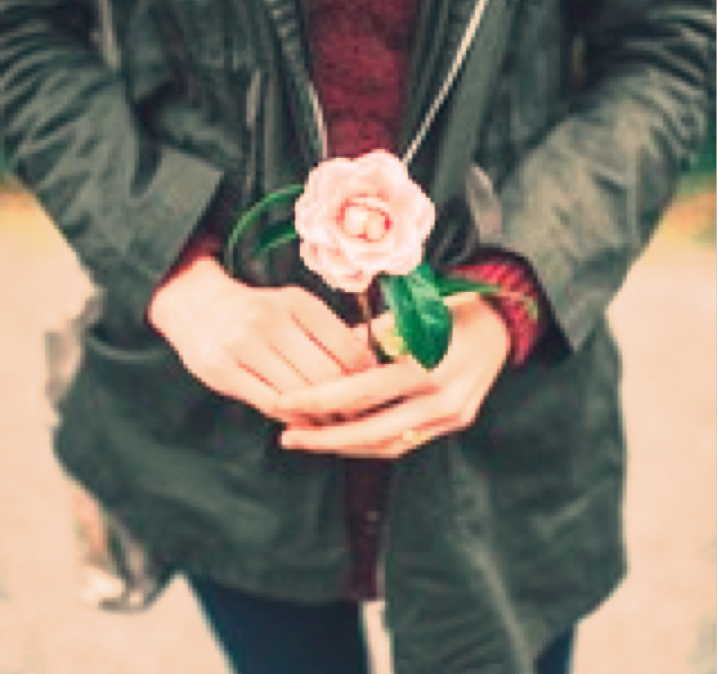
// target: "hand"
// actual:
[[253, 344], [396, 407]]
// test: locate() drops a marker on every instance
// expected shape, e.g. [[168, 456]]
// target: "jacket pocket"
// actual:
[[146, 384]]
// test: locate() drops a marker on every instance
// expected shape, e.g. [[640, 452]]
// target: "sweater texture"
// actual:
[[360, 52]]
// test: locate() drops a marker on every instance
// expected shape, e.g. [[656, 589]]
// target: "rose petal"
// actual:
[[334, 268], [347, 253]]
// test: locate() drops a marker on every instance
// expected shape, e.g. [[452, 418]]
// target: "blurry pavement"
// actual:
[[662, 621]]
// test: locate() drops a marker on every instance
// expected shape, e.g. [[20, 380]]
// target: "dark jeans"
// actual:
[[267, 636]]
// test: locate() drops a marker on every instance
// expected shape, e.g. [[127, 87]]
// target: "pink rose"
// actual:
[[357, 218]]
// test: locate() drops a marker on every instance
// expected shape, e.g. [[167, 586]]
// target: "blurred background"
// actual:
[[661, 621]]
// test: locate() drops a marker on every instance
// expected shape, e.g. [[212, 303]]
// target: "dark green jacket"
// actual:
[[498, 537]]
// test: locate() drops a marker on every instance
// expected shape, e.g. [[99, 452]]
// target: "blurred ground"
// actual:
[[662, 621]]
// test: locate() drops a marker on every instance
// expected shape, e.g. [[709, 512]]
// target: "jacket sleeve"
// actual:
[[582, 205], [126, 204]]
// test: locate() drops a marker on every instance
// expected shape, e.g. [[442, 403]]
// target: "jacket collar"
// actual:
[[444, 67], [446, 30], [285, 14]]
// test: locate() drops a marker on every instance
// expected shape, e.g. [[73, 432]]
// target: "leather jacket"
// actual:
[[128, 119]]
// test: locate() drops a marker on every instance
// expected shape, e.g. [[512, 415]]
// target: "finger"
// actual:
[[307, 357], [230, 379], [361, 392], [475, 399], [362, 436], [403, 445], [270, 366], [331, 333], [397, 446]]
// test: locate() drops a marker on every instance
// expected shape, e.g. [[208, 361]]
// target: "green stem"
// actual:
[[365, 308], [252, 215]]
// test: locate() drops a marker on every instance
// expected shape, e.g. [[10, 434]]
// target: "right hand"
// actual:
[[253, 344]]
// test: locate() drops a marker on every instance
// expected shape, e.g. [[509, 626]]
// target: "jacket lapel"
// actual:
[[287, 22], [285, 14], [433, 27], [441, 30]]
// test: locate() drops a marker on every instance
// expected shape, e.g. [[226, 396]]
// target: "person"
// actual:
[[241, 427]]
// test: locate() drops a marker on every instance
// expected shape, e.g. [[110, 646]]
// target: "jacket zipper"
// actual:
[[108, 39], [428, 119], [436, 106], [111, 54], [319, 121], [443, 93]]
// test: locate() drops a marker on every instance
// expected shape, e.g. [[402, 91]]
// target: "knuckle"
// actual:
[[457, 396], [454, 419], [447, 406], [461, 421], [466, 418], [393, 451], [260, 318]]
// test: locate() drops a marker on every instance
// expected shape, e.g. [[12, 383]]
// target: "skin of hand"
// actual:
[[253, 344], [381, 404]]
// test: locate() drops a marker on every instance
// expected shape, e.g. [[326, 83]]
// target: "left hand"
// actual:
[[391, 409]]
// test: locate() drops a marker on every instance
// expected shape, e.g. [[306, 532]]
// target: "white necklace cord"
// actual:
[[109, 47], [320, 123], [443, 94]]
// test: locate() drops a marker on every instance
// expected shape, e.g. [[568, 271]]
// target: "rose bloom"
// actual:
[[358, 218]]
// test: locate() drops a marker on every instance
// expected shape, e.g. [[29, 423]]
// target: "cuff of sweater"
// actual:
[[525, 327], [202, 244]]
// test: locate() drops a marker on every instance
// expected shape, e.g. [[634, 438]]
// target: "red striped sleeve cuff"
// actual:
[[512, 276]]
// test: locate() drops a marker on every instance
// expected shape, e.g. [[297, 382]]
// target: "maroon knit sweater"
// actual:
[[360, 52]]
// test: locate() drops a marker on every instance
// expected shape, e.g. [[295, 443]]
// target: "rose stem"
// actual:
[[365, 308]]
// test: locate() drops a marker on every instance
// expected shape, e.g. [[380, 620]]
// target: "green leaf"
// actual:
[[422, 319], [453, 285], [251, 216], [275, 236]]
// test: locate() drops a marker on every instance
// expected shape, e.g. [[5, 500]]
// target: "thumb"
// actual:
[[384, 332]]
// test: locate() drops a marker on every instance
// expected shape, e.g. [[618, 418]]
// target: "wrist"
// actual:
[[498, 328], [191, 285], [524, 327], [471, 304], [503, 337]]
